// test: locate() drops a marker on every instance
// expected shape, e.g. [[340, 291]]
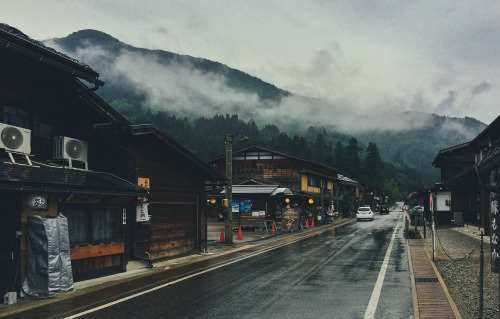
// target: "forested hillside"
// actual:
[[198, 101], [205, 137]]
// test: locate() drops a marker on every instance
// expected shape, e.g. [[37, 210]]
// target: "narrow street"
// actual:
[[332, 274]]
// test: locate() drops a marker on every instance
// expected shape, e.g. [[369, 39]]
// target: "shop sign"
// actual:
[[495, 232], [144, 182], [290, 219], [37, 201], [142, 214]]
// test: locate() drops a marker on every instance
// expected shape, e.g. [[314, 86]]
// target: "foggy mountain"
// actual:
[[195, 87]]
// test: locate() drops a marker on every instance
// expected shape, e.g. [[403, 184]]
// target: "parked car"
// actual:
[[384, 209], [419, 209], [365, 213]]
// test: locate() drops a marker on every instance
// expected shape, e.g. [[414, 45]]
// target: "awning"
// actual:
[[282, 190], [270, 190]]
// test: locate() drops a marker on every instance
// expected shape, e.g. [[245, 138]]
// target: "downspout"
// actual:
[[136, 176], [198, 221], [206, 231]]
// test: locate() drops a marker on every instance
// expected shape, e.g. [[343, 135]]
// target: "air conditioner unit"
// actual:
[[15, 139], [70, 149]]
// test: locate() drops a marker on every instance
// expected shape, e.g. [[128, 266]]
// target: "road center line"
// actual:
[[372, 305]]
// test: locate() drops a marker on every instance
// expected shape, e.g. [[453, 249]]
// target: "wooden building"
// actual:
[[470, 173], [63, 146], [176, 180], [305, 178]]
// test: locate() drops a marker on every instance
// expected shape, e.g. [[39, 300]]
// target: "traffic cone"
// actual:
[[307, 222], [240, 235], [312, 224], [273, 232], [222, 240]]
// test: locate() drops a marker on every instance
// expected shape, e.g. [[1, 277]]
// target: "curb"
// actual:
[[416, 311]]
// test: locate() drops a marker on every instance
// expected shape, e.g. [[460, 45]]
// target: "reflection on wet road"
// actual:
[[332, 274]]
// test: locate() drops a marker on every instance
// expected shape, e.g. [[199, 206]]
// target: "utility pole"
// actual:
[[229, 189], [481, 278]]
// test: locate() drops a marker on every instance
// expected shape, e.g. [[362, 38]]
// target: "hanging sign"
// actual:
[[37, 201], [142, 214], [124, 216]]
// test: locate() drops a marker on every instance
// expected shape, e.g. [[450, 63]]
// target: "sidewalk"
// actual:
[[431, 298]]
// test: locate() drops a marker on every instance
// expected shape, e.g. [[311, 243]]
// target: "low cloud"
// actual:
[[182, 89]]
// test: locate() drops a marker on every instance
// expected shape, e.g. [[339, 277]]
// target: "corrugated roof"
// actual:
[[259, 189], [343, 178]]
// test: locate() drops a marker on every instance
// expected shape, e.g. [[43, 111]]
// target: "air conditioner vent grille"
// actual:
[[12, 137], [74, 149], [15, 139], [70, 149]]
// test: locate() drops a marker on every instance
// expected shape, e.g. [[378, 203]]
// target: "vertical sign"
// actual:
[[494, 242]]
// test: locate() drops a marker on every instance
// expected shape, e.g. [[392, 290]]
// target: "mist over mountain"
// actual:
[[195, 87]]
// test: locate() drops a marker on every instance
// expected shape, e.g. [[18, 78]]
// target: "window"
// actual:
[[88, 224], [16, 117], [316, 181], [103, 224]]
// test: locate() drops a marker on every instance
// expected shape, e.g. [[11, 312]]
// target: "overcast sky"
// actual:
[[433, 56]]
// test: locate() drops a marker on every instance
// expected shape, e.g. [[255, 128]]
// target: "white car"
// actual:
[[365, 213]]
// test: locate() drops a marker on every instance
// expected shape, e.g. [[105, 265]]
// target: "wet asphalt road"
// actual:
[[330, 275]]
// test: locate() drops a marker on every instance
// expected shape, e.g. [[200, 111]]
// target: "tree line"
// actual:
[[205, 137]]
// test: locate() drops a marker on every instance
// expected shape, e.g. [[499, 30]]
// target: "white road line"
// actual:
[[372, 305], [187, 277]]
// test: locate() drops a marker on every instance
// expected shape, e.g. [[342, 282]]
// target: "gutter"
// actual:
[[44, 189]]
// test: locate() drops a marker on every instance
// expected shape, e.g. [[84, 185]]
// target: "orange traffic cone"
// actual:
[[312, 224], [273, 232], [222, 240], [307, 222], [240, 235]]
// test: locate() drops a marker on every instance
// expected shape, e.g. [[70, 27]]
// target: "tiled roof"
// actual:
[[41, 177], [14, 40]]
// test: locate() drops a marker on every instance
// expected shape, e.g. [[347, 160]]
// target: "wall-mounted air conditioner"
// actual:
[[70, 149], [15, 139]]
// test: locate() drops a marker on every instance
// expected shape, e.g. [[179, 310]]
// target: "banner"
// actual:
[[495, 225]]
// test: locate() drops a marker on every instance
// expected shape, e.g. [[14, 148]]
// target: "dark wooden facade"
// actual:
[[53, 95], [177, 186]]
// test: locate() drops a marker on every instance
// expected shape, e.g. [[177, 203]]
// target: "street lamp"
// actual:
[[229, 189]]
